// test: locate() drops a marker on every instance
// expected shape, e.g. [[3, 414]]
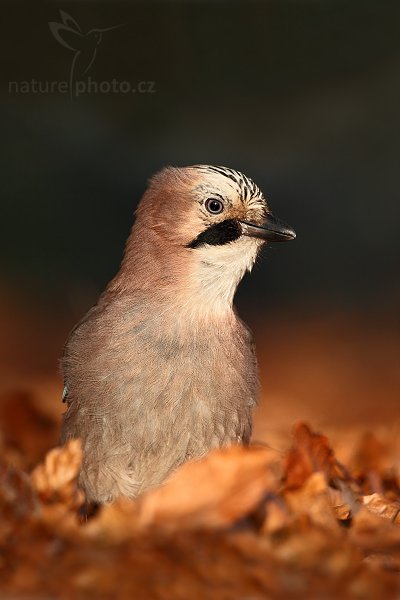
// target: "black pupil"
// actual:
[[214, 206]]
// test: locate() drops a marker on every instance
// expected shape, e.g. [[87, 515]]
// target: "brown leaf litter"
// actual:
[[241, 523]]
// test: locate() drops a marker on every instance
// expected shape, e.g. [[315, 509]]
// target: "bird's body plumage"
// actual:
[[162, 369], [196, 395]]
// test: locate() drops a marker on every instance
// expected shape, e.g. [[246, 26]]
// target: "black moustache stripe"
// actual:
[[218, 234]]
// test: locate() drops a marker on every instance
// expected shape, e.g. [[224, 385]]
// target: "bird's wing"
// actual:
[[64, 394], [64, 397]]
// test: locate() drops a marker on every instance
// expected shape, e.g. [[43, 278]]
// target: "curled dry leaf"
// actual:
[[313, 499], [216, 491], [380, 506], [55, 479], [311, 453], [341, 507]]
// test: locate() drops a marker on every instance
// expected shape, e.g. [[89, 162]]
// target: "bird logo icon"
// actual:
[[83, 44]]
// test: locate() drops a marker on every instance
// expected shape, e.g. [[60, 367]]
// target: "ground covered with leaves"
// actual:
[[309, 511], [242, 523]]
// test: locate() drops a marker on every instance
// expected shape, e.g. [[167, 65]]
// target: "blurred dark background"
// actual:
[[303, 96]]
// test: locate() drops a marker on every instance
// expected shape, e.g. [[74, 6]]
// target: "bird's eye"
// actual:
[[214, 206]]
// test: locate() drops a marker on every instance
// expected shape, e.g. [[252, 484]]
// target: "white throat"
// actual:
[[218, 271]]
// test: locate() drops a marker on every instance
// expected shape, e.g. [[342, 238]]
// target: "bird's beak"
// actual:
[[272, 230]]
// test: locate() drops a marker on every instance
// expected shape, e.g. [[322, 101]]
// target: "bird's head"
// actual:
[[213, 219], [209, 206]]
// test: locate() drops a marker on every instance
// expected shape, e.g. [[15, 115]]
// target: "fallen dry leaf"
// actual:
[[314, 500], [378, 505], [373, 533], [216, 491], [55, 479], [311, 453]]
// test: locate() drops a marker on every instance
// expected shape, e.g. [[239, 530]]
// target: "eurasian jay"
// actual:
[[162, 369]]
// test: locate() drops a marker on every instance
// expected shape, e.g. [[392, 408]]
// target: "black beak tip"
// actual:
[[277, 230], [290, 233], [272, 230]]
